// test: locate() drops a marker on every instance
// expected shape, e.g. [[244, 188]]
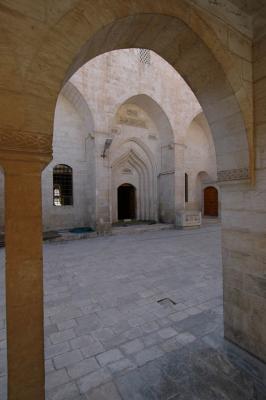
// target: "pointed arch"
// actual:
[[142, 178], [75, 97], [155, 112]]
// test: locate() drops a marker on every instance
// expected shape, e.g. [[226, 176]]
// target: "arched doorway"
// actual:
[[211, 201], [126, 196]]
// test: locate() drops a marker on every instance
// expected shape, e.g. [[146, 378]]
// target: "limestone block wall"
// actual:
[[70, 148], [120, 78], [244, 232], [145, 109]]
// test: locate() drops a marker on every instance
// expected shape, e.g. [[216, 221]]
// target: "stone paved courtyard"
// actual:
[[108, 338]]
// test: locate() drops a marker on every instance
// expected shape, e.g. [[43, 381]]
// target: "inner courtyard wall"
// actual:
[[146, 109], [70, 148]]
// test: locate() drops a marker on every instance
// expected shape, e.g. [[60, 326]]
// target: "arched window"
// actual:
[[186, 188], [62, 185]]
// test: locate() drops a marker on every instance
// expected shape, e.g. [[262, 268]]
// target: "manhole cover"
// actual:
[[166, 302]]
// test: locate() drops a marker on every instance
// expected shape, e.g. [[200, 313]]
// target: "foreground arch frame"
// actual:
[[180, 35]]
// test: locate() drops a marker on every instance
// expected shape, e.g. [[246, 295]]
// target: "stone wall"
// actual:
[[145, 109], [211, 44], [244, 229], [70, 148]]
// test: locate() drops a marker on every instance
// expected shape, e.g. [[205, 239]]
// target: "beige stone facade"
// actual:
[[147, 111], [219, 48], [151, 115]]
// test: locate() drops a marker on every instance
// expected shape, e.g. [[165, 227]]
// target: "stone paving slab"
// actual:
[[107, 337]]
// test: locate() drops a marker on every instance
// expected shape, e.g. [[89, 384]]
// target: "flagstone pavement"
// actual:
[[139, 317]]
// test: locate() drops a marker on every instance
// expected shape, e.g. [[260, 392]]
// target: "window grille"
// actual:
[[62, 185], [145, 56]]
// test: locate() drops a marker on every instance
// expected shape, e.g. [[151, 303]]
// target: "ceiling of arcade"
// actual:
[[249, 6]]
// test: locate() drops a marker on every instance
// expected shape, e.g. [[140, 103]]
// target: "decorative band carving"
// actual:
[[25, 141], [233, 174]]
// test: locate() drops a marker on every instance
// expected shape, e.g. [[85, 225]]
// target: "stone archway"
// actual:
[[56, 48], [139, 169], [159, 189], [186, 50]]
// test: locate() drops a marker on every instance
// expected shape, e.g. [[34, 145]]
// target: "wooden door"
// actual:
[[211, 201]]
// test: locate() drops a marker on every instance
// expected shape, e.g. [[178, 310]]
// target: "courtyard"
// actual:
[[139, 316]]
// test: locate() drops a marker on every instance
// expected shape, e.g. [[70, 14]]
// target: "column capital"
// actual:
[[19, 140], [26, 160]]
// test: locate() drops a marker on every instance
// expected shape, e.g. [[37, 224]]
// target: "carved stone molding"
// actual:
[[233, 174], [23, 141]]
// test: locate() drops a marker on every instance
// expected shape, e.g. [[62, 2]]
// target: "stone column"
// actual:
[[184, 218], [24, 275], [179, 177], [179, 183]]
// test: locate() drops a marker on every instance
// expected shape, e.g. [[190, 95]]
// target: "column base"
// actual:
[[103, 228]]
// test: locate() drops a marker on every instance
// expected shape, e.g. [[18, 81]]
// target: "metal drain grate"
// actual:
[[166, 302]]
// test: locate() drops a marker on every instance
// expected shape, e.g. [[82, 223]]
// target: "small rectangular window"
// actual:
[[186, 188], [62, 185]]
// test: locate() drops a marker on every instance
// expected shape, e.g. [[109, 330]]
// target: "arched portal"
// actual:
[[155, 145], [211, 201], [126, 201]]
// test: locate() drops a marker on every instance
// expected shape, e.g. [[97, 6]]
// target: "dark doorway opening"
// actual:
[[211, 201], [126, 201]]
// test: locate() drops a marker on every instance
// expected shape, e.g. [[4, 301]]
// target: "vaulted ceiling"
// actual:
[[248, 6]]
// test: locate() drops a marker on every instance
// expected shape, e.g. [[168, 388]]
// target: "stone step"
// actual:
[[131, 229]]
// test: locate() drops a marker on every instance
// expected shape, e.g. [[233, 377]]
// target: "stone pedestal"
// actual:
[[103, 228], [188, 219]]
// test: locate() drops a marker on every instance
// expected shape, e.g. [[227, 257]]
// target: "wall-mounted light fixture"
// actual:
[[107, 145]]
